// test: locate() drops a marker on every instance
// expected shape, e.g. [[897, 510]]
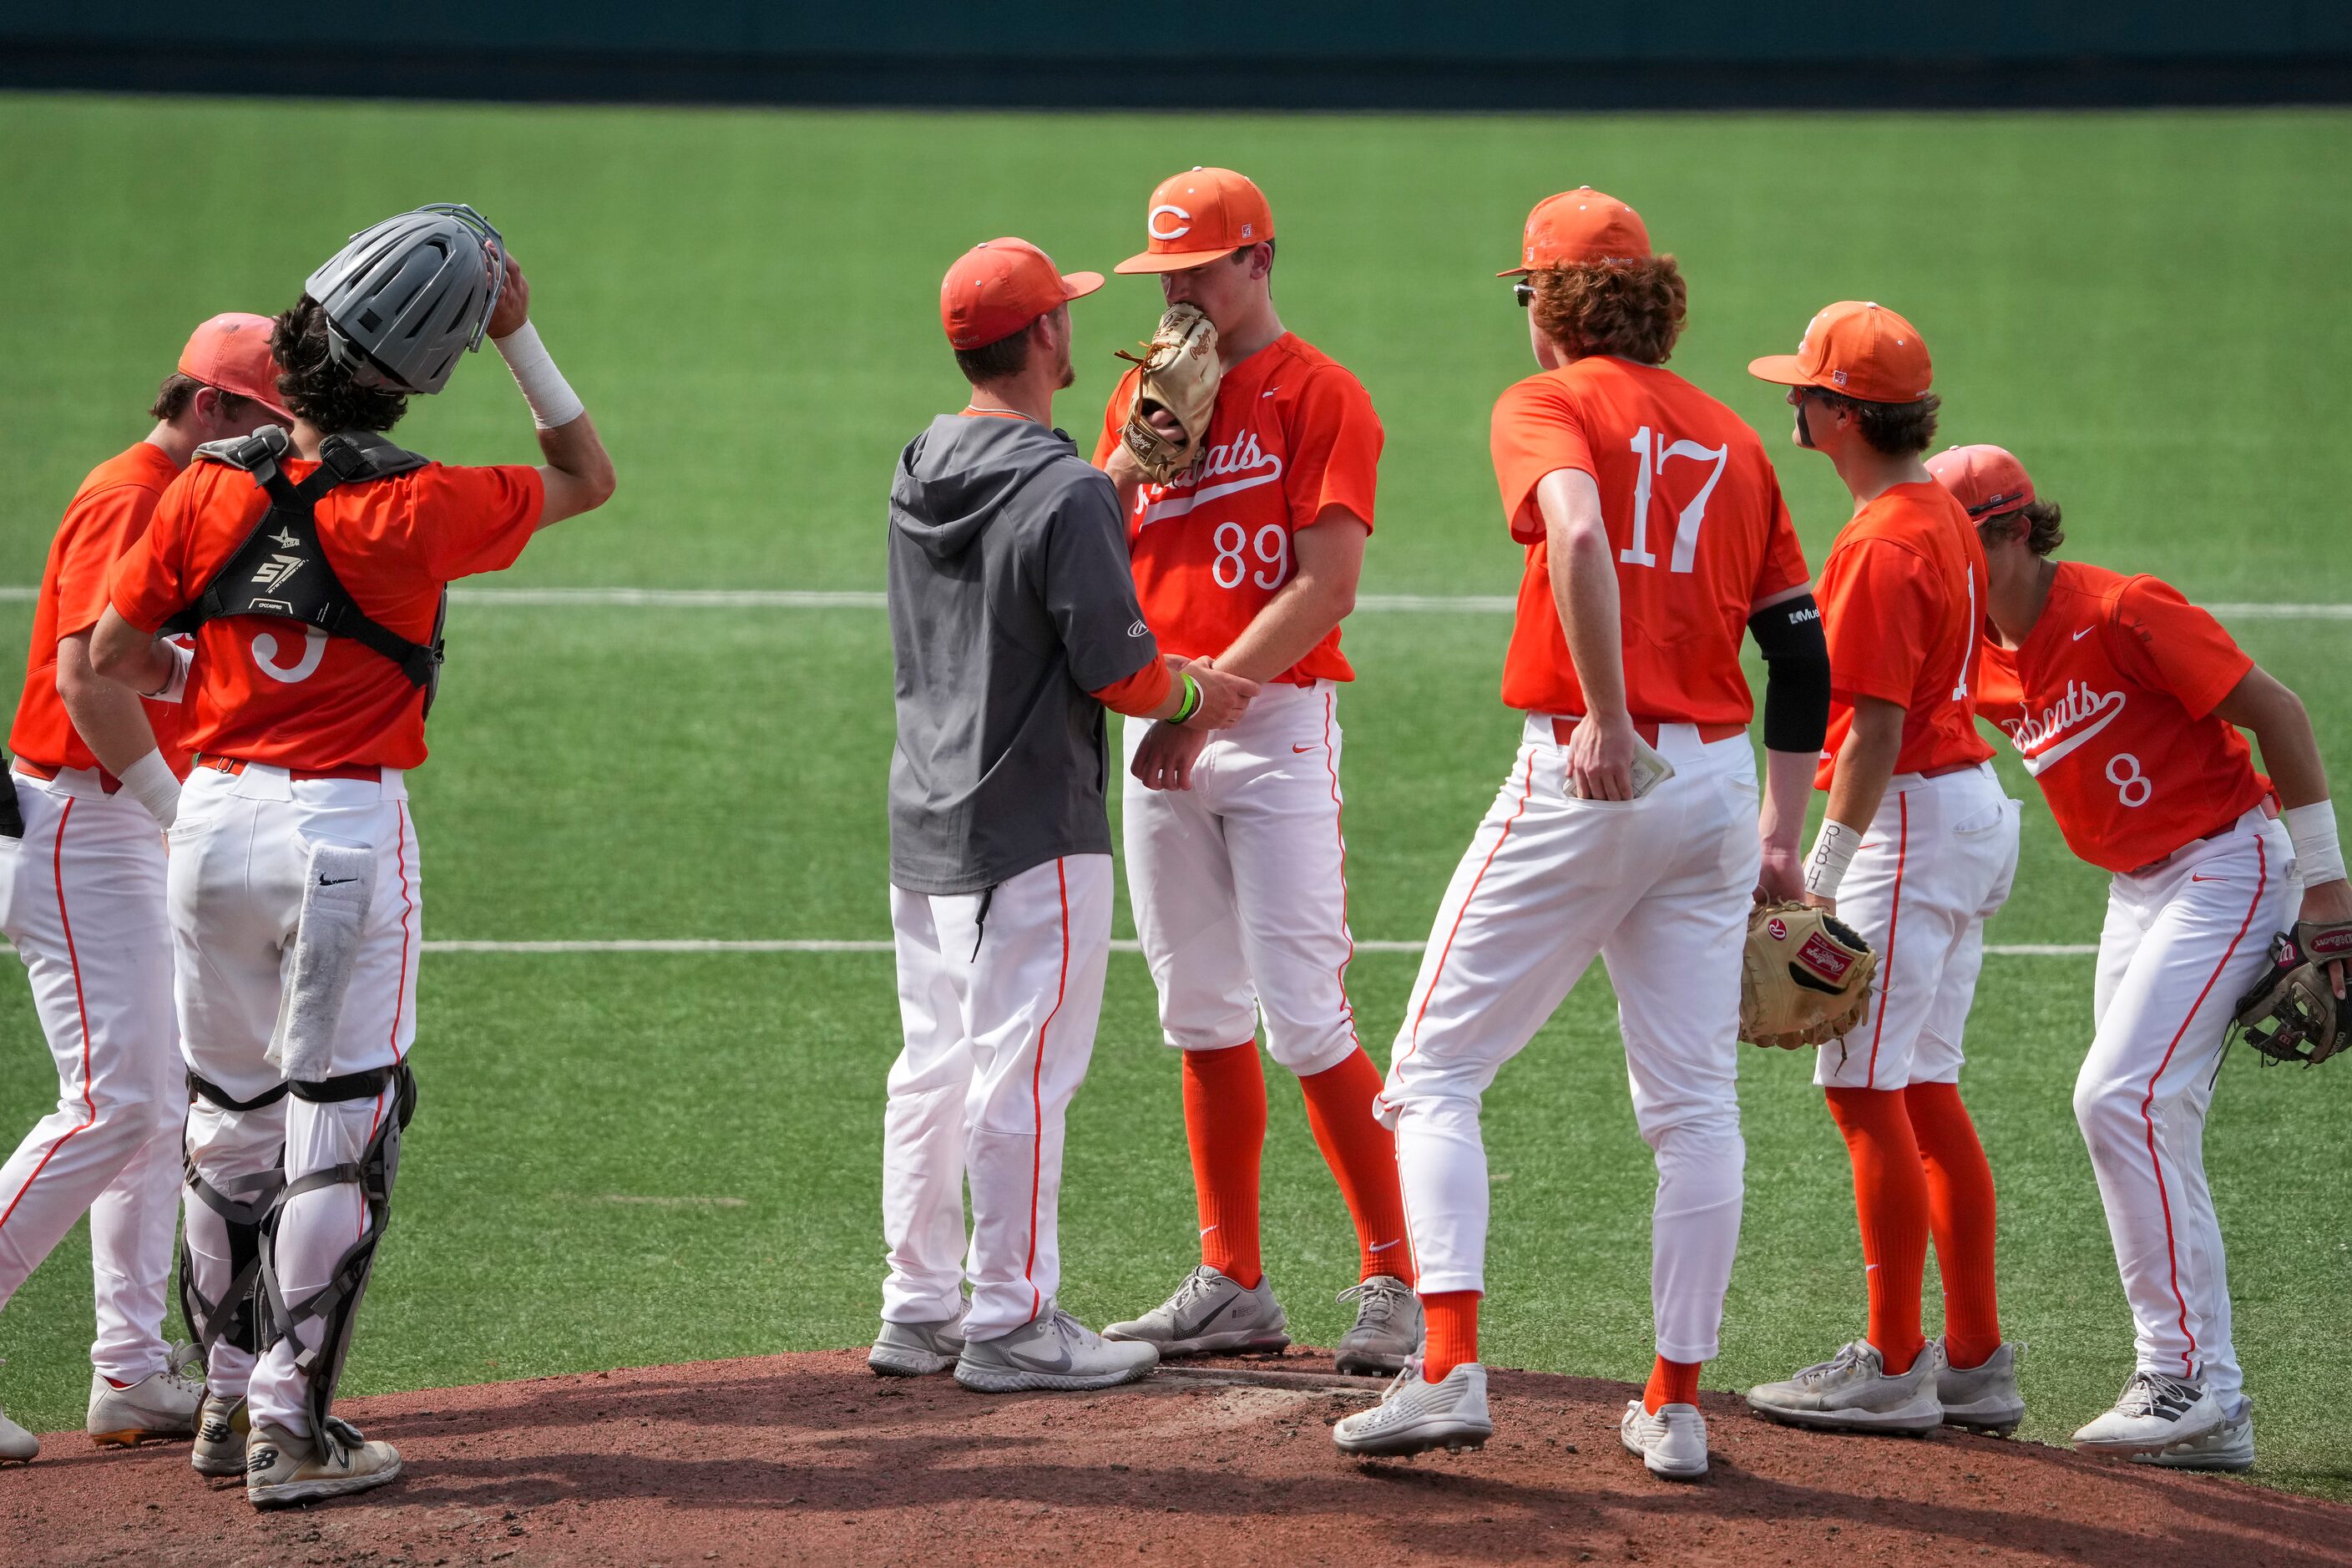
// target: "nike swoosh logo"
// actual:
[[1384, 1246], [1060, 1362], [1214, 1313], [335, 881], [2194, 878], [1207, 1228], [2086, 631], [1269, 392], [1296, 751], [1868, 1266], [1872, 845]]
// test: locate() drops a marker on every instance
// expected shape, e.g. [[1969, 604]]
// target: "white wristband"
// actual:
[[2317, 853], [1833, 849], [149, 781], [552, 401], [175, 688]]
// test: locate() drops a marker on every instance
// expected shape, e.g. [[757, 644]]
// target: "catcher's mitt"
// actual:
[[2292, 1014], [1804, 978], [1180, 372]]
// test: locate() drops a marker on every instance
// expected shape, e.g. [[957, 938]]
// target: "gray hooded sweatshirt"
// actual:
[[1011, 599]]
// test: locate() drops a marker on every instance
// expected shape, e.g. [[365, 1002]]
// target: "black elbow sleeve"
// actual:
[[1796, 674]]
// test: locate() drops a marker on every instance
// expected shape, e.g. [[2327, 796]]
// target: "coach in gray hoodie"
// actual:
[[1014, 625]]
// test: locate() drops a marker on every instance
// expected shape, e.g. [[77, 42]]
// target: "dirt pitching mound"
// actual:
[[812, 1458]]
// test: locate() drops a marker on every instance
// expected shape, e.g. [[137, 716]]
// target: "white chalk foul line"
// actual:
[[1122, 944]]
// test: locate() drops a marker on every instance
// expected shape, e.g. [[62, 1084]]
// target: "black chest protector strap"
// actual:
[[282, 570]]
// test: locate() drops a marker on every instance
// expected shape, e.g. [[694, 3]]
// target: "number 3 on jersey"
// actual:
[[1271, 550], [1652, 450]]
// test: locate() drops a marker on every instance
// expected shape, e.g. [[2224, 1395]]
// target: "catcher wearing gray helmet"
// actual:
[[312, 566]]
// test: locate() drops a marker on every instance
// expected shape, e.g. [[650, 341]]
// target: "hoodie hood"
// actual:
[[957, 476]]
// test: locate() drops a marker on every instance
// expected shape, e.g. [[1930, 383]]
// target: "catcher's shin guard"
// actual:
[[244, 1205], [335, 1305]]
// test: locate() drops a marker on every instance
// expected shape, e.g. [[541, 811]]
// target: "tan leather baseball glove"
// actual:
[[1804, 978], [1180, 372]]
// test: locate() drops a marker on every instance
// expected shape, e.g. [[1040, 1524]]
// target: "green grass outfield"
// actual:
[[634, 1159]]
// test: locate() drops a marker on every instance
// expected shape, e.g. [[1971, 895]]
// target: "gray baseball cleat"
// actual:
[[1672, 1443], [160, 1405], [2155, 1412], [1053, 1350], [1388, 1330], [1210, 1315], [2229, 1446], [1982, 1398], [916, 1350], [1851, 1391], [281, 1468], [1414, 1416], [222, 1427], [17, 1447]]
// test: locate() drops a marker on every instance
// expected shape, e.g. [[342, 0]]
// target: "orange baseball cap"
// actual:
[[995, 289], [1987, 480], [1578, 225], [1858, 348], [1196, 217], [231, 351]]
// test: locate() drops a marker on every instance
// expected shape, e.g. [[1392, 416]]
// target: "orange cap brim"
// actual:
[[1783, 369], [1171, 261], [1078, 285]]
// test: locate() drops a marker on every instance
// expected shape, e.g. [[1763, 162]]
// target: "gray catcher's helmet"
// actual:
[[404, 298]]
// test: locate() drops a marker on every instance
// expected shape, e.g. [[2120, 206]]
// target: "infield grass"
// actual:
[[631, 1159]]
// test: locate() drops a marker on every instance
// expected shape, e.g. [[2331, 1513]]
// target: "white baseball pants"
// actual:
[[240, 855], [2183, 941], [81, 897], [1239, 884], [1659, 888], [999, 995], [1935, 865]]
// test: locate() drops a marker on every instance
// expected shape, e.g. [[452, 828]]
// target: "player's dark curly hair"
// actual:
[[1896, 429], [180, 389], [314, 386], [2040, 520], [1634, 308]]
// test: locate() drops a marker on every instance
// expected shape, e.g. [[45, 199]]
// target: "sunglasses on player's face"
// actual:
[[1524, 293]]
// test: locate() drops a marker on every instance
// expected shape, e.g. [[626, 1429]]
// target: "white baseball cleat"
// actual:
[[916, 1350], [160, 1405], [1982, 1398], [1388, 1330], [1672, 1443], [1851, 1391], [1210, 1314], [222, 1427], [2229, 1446], [2156, 1411], [1414, 1416], [17, 1447], [281, 1468], [1053, 1350]]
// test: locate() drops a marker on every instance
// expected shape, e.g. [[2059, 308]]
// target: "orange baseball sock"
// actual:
[[1225, 1123], [1452, 1319], [1671, 1383], [1362, 1156], [1890, 1199], [1960, 1212]]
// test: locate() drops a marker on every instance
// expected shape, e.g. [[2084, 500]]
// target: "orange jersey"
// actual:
[[1901, 594], [107, 515], [2110, 702], [1695, 517], [1292, 433], [268, 689]]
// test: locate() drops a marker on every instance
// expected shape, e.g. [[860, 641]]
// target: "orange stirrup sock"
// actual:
[[1960, 1210], [1452, 1319], [1890, 1199], [1671, 1383], [1224, 1122], [1362, 1156]]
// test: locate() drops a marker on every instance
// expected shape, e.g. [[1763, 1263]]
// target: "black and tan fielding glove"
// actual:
[[2292, 1015], [1804, 977], [1179, 373]]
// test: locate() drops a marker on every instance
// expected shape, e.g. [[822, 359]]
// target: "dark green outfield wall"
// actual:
[[1313, 54]]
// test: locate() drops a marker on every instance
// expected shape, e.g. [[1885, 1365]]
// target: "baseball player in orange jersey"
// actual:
[[1916, 850], [2126, 702], [312, 566], [1236, 853], [1628, 828], [96, 778]]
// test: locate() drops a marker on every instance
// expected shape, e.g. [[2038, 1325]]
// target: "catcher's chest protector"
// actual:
[[282, 570]]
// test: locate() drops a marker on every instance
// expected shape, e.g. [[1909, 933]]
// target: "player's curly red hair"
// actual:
[[1634, 308]]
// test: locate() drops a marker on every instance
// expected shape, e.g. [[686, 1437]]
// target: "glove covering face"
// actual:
[[1180, 374]]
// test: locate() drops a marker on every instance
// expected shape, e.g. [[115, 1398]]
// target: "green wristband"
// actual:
[[1191, 703]]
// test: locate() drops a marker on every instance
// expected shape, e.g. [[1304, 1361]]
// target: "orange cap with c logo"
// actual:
[[1197, 216]]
